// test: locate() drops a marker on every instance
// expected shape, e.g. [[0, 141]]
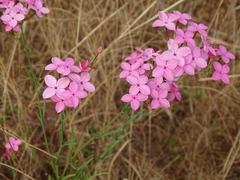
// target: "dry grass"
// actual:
[[197, 138]]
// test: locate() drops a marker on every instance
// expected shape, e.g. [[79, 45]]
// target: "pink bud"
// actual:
[[100, 49]]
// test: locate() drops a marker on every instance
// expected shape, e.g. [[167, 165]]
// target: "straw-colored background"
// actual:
[[197, 138]]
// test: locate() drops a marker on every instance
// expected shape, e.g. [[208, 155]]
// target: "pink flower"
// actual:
[[138, 85], [60, 103], [175, 94], [134, 99], [83, 81], [57, 64], [146, 54], [13, 144], [21, 9], [54, 86], [7, 153], [133, 57], [159, 99], [69, 66], [207, 47], [38, 7], [12, 18], [197, 27], [225, 55], [164, 68], [175, 53], [129, 70], [165, 20], [157, 83], [196, 58], [84, 66], [221, 72], [184, 37], [73, 94], [182, 17]]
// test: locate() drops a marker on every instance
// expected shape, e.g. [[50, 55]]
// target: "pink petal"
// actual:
[[73, 87], [127, 98], [132, 80], [225, 78], [44, 10], [75, 101], [163, 93], [19, 17], [183, 51], [225, 69], [168, 74], [162, 15], [18, 142], [217, 66], [63, 82], [135, 104], [141, 97], [166, 55], [74, 77], [216, 76], [69, 61], [57, 61], [81, 94], [200, 62], [6, 18], [89, 87], [158, 72], [154, 93], [59, 106], [165, 103], [222, 49], [49, 92], [230, 55], [133, 90], [123, 74], [155, 104], [15, 147], [8, 146], [50, 67], [125, 66], [13, 22], [157, 23], [50, 80], [144, 89]]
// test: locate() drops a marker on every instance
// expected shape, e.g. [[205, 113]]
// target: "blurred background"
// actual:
[[197, 138]]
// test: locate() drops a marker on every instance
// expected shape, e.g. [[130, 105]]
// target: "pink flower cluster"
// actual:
[[17, 12], [12, 144], [72, 84], [153, 74]]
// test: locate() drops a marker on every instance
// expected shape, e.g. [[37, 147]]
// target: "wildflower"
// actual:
[[54, 86], [129, 70], [221, 72], [83, 81], [134, 99], [12, 18], [194, 27], [73, 94], [175, 53], [38, 7], [13, 144], [138, 84], [159, 99], [133, 57], [84, 66], [165, 20], [182, 17], [225, 55]]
